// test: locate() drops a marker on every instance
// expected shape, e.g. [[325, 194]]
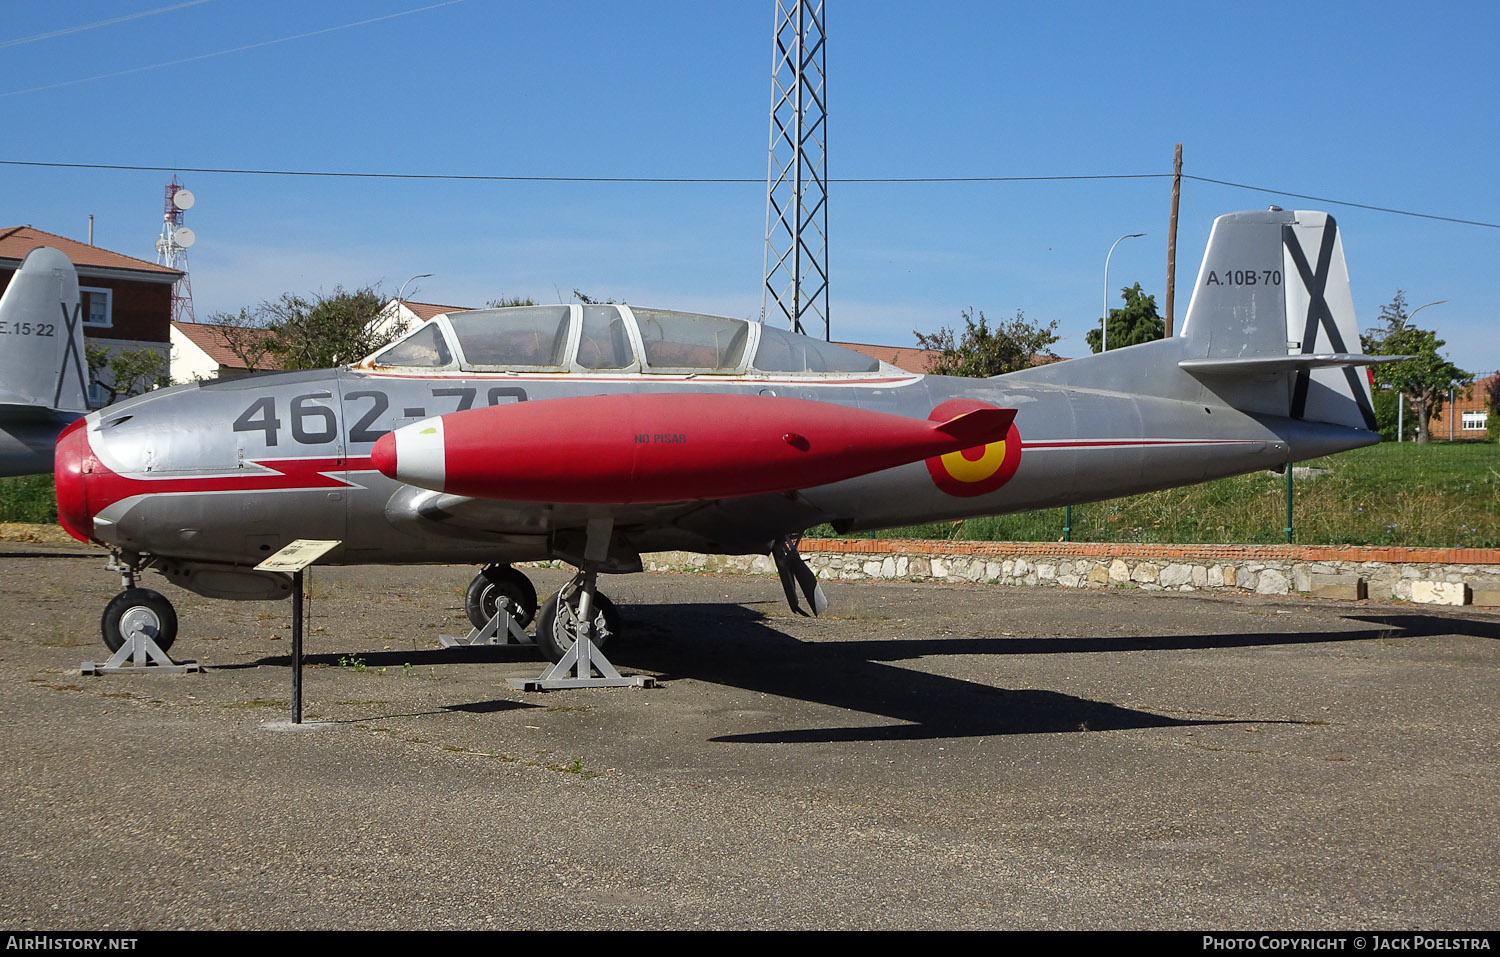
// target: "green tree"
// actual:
[[1137, 322], [508, 301], [320, 331], [588, 300], [127, 372], [1426, 378], [982, 351], [246, 336]]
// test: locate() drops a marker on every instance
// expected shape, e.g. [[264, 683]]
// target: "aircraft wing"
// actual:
[[749, 526]]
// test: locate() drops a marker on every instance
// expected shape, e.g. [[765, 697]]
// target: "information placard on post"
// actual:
[[297, 556], [293, 559]]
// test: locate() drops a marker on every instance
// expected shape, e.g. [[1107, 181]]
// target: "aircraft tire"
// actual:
[[500, 583], [138, 607], [555, 633]]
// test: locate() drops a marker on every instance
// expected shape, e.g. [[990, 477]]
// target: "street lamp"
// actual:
[[1104, 323], [425, 275], [1401, 396]]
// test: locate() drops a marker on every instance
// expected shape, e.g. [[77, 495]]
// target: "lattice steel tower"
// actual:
[[796, 257], [172, 247]]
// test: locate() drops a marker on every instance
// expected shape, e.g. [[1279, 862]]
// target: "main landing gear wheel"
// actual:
[[557, 623], [496, 584], [139, 609]]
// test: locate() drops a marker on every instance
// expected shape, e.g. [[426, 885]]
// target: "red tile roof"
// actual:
[[17, 241], [426, 310], [906, 358], [211, 339]]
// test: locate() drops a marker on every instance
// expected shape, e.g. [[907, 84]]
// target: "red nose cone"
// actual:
[[71, 465], [383, 454]]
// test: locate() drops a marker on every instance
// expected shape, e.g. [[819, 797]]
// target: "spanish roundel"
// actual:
[[978, 470]]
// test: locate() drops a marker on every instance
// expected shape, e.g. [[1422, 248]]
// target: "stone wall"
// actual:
[[1439, 575]]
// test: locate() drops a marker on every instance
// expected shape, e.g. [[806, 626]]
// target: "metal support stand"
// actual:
[[583, 659], [501, 629], [146, 655], [297, 646], [1288, 528]]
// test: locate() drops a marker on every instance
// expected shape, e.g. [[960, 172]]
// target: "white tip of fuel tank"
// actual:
[[414, 454]]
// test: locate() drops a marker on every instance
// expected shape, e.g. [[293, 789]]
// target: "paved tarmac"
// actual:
[[928, 756]]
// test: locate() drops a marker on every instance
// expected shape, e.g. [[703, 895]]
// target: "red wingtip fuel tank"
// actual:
[[69, 464], [644, 448]]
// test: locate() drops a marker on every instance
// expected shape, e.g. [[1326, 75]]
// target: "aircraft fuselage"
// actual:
[[231, 471]]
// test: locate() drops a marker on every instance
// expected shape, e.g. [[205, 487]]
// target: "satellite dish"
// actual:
[[182, 199], [184, 237]]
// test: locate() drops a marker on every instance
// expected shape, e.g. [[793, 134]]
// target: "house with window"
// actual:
[[127, 302], [1467, 417], [205, 350]]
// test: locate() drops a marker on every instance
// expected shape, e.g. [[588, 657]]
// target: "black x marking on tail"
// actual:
[[1320, 316], [70, 324]]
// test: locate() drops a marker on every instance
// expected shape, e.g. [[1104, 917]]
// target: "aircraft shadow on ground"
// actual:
[[420, 658], [735, 646], [732, 645], [1424, 626]]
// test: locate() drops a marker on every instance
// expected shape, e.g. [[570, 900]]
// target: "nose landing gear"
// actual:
[[138, 625], [139, 610]]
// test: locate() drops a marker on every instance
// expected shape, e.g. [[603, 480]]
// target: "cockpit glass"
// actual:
[[424, 348], [781, 351], [604, 343], [527, 337], [678, 341]]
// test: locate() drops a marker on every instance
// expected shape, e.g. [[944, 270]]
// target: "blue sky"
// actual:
[[1380, 103]]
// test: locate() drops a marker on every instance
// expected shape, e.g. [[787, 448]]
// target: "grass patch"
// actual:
[[1438, 495], [29, 499]]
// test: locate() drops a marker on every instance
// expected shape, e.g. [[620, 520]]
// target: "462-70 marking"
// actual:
[[312, 420]]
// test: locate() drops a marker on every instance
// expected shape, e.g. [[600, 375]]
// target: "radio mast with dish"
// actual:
[[172, 247]]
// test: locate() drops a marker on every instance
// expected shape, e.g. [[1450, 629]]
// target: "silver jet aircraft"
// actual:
[[593, 433], [41, 360]]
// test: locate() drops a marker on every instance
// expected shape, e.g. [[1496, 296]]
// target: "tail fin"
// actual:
[[1271, 324], [41, 335]]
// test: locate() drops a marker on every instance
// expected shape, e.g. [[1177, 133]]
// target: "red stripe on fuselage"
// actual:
[[106, 487]]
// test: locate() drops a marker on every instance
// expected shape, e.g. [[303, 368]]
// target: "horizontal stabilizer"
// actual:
[[978, 426], [1259, 365]]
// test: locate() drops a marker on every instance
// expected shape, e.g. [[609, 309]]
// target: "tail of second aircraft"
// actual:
[[41, 337]]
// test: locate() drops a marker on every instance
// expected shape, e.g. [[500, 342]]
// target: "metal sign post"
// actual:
[[294, 558]]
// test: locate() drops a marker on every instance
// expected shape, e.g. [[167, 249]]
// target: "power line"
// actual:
[[1344, 202], [98, 23], [248, 46], [472, 177], [736, 180]]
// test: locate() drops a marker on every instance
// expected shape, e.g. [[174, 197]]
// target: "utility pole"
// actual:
[[1172, 237]]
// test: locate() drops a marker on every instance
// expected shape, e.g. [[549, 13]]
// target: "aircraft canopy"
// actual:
[[612, 338]]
